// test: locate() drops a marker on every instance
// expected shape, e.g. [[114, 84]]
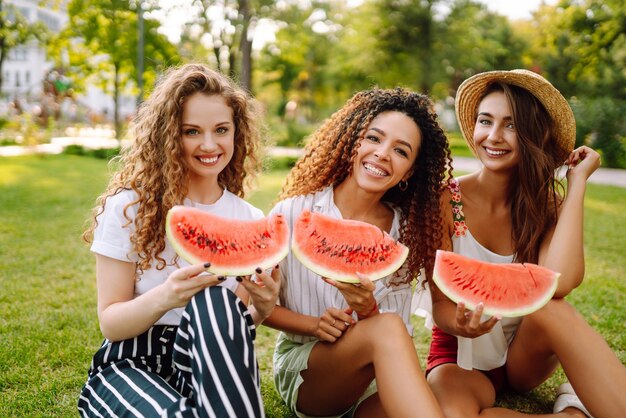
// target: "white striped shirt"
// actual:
[[305, 292]]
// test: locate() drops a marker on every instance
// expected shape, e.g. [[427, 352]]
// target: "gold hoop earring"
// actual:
[[403, 185]]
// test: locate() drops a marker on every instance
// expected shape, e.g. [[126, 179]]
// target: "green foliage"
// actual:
[[7, 141], [601, 125], [100, 44], [299, 64], [290, 133], [29, 130], [472, 39], [101, 153], [599, 39], [280, 163], [458, 146], [580, 46]]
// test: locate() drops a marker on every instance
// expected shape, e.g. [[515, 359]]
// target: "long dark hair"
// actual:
[[537, 193]]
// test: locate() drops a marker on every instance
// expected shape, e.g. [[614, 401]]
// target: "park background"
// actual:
[[316, 55]]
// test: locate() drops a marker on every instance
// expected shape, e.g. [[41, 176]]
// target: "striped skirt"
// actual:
[[205, 367]]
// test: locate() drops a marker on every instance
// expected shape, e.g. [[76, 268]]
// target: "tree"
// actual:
[[404, 37], [101, 40], [16, 30], [580, 45], [226, 29], [303, 59], [474, 39]]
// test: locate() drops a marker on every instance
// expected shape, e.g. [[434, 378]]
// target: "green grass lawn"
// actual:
[[48, 324]]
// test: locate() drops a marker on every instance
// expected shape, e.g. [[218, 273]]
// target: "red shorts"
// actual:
[[443, 350]]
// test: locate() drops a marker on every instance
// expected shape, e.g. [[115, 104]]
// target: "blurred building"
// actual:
[[27, 68]]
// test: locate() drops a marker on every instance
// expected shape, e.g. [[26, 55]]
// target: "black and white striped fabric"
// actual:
[[205, 367]]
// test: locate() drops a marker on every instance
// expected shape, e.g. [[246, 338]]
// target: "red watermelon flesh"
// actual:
[[507, 290], [233, 247], [339, 248]]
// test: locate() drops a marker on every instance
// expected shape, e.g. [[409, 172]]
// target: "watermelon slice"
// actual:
[[233, 247], [338, 248], [507, 290]]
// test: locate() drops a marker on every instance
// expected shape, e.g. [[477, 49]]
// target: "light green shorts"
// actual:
[[291, 358]]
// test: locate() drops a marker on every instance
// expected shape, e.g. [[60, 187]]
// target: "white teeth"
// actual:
[[375, 170], [208, 160], [495, 152]]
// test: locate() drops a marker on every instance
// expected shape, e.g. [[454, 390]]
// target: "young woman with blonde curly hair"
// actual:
[[178, 341], [380, 159]]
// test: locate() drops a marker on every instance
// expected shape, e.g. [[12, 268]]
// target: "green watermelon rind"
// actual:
[[238, 270], [540, 301], [323, 271]]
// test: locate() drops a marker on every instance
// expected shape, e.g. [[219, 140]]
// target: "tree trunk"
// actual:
[[427, 53], [245, 47], [2, 56], [2, 48], [116, 110], [216, 52], [232, 63]]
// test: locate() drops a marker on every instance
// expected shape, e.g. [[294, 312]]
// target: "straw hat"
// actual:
[[471, 91]]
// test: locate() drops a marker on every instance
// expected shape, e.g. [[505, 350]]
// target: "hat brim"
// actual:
[[471, 91]]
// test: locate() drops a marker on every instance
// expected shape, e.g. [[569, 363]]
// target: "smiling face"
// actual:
[[208, 133], [387, 153], [495, 136]]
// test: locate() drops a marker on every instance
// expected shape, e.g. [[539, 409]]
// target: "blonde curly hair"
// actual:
[[153, 166], [329, 156]]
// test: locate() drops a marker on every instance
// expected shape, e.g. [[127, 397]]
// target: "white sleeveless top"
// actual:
[[488, 351]]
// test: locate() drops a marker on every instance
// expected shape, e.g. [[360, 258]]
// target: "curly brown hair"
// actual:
[[153, 165], [330, 152], [537, 193]]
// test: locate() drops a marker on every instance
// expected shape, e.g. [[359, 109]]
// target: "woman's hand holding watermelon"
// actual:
[[468, 322], [185, 282], [263, 293], [360, 296], [332, 324]]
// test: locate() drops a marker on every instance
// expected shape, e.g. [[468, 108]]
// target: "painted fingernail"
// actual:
[[221, 278], [239, 278], [258, 270], [276, 266], [207, 265]]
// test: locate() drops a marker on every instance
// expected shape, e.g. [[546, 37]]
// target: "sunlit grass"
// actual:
[[48, 324]]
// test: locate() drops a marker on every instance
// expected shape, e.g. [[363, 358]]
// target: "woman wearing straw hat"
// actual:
[[514, 210]]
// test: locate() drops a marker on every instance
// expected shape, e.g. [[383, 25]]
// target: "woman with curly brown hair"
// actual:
[[178, 341], [380, 159]]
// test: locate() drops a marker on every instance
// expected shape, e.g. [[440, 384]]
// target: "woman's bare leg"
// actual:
[[470, 394], [378, 347], [461, 393], [558, 333]]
